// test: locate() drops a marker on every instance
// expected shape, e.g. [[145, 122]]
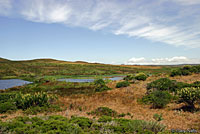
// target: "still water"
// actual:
[[5, 84], [89, 80]]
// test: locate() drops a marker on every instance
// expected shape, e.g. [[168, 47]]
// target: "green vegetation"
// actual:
[[78, 125], [158, 93], [163, 84], [25, 101], [100, 85], [158, 99], [30, 103], [31, 70], [141, 76], [185, 70], [122, 84], [190, 96]]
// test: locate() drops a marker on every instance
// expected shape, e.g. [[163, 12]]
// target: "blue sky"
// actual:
[[107, 31]]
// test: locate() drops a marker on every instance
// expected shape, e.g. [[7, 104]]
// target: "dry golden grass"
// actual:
[[124, 100]]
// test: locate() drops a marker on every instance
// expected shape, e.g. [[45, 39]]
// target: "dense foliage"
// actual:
[[77, 125], [141, 76], [158, 99], [100, 85], [24, 101], [31, 102], [122, 84], [190, 95], [185, 70], [164, 84]]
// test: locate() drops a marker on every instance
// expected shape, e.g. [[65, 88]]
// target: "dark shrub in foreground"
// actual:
[[122, 84]]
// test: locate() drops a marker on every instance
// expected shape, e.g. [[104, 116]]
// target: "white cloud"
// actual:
[[43, 11], [175, 22], [163, 61]]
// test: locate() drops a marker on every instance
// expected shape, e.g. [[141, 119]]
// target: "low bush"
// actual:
[[141, 76], [163, 84], [83, 122], [4, 97], [7, 106], [190, 95], [105, 118], [122, 84], [158, 99], [100, 111], [100, 85], [129, 77]]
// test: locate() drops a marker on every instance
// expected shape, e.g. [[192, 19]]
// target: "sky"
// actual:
[[105, 31]]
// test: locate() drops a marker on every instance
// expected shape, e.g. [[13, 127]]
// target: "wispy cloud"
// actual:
[[163, 61], [5, 6], [175, 22]]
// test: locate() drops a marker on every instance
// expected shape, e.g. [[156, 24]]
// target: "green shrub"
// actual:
[[190, 95], [162, 84], [4, 97], [175, 72], [100, 111], [24, 101], [102, 88], [7, 106], [141, 76], [122, 84], [78, 125], [185, 70], [158, 99], [100, 85], [100, 82], [83, 122], [138, 126], [105, 118], [129, 77]]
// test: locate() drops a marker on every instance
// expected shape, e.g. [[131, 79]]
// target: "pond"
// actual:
[[5, 84], [90, 80]]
